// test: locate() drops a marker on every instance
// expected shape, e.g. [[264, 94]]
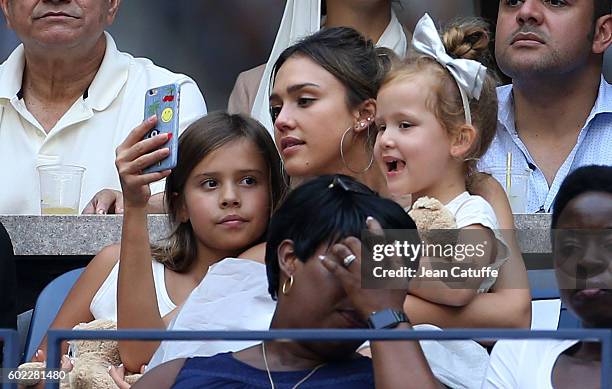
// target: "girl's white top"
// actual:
[[463, 363], [104, 303], [469, 209], [528, 364], [232, 296]]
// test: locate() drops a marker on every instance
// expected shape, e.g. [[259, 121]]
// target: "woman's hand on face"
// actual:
[[136, 154], [366, 301]]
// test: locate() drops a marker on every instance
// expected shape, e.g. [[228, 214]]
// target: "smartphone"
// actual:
[[163, 102]]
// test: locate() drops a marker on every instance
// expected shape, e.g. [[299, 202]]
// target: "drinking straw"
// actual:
[[508, 172]]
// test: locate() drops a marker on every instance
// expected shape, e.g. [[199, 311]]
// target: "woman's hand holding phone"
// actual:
[[133, 156]]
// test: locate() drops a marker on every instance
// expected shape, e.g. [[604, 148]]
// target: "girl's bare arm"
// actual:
[[75, 308]]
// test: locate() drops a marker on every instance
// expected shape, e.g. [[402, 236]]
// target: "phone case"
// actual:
[[163, 101]]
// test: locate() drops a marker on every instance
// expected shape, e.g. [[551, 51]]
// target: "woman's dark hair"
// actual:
[[318, 212], [602, 8], [201, 138], [582, 180], [354, 60]]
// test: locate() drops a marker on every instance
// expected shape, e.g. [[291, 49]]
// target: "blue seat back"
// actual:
[[47, 306], [567, 320], [543, 284]]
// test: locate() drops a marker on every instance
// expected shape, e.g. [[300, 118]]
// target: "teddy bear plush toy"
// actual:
[[91, 361], [435, 223]]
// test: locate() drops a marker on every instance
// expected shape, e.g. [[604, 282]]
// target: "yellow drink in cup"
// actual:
[[60, 189], [58, 210]]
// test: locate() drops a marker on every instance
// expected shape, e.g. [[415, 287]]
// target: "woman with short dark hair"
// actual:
[[317, 288]]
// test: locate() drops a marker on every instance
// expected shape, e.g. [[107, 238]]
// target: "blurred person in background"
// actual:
[[8, 40], [375, 19]]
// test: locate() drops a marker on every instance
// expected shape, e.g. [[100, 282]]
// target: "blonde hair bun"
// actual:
[[468, 39]]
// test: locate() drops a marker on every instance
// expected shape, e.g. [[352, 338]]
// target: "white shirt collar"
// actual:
[[11, 74], [111, 77], [603, 104], [505, 98]]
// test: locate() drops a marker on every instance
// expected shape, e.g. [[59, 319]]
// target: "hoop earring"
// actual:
[[286, 288], [344, 160]]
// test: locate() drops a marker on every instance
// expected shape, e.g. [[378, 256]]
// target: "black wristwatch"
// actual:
[[387, 318]]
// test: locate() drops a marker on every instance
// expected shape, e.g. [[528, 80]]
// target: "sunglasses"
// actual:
[[349, 185]]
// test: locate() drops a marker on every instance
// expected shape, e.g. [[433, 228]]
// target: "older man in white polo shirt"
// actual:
[[67, 95]]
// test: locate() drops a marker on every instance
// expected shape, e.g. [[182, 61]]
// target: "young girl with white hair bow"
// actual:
[[436, 115]]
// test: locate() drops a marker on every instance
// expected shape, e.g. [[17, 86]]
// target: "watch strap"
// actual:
[[387, 318]]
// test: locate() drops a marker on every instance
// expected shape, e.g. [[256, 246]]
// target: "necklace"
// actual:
[[300, 382]]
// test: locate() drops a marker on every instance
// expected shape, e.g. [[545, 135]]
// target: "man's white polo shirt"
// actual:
[[88, 134]]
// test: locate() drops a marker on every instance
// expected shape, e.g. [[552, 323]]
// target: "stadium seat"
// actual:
[[543, 286], [567, 320], [47, 306]]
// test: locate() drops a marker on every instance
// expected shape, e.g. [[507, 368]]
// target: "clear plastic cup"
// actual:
[[60, 189], [519, 186]]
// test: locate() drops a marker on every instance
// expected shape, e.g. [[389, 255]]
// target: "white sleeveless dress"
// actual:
[[104, 303]]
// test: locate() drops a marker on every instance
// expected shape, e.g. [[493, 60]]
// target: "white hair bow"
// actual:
[[469, 74]]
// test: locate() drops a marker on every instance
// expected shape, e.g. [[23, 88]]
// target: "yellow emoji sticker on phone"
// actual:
[[167, 115]]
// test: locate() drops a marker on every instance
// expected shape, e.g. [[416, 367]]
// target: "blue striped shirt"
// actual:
[[593, 147]]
